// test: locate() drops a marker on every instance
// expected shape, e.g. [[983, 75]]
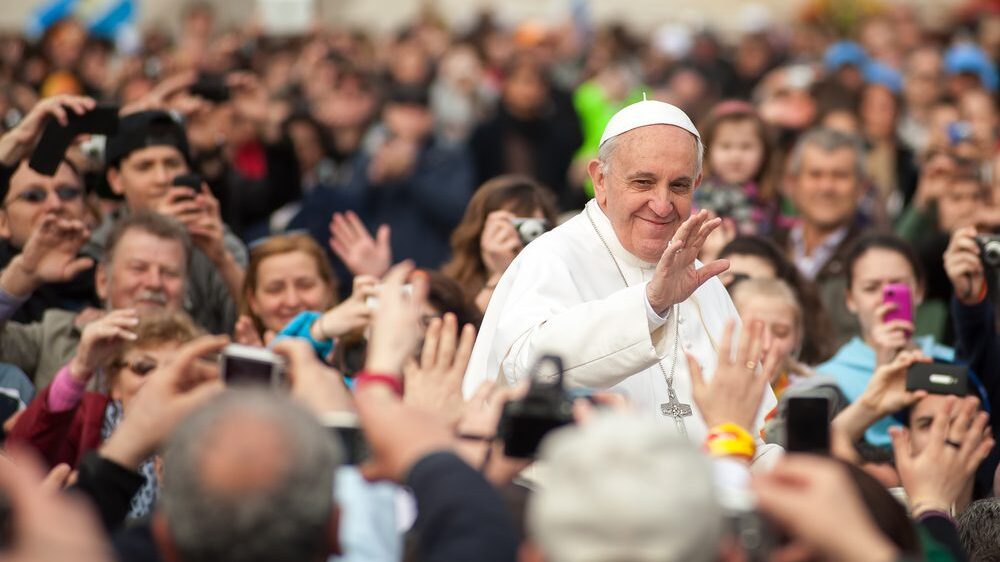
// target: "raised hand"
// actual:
[[47, 526], [49, 256], [245, 333], [889, 338], [205, 226], [676, 277], [886, 391], [885, 394], [396, 329], [959, 440], [736, 390], [100, 340], [963, 265], [435, 382], [499, 243], [17, 144], [817, 503], [350, 315], [166, 397], [314, 384], [362, 254]]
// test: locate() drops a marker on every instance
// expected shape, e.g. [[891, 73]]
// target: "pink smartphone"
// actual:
[[899, 295]]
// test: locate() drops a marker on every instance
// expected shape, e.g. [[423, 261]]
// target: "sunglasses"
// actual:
[[37, 195], [141, 366]]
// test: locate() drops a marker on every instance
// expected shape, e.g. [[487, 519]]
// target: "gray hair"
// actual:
[[287, 520], [621, 476], [979, 529], [827, 140], [160, 226], [606, 151]]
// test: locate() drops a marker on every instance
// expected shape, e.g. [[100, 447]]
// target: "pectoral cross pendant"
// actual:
[[674, 408]]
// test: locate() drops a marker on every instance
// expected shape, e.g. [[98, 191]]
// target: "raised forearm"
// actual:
[[17, 281]]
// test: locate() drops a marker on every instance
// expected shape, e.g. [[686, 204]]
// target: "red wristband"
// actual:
[[365, 377]]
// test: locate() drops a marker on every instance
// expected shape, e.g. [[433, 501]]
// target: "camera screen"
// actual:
[[240, 371], [353, 442]]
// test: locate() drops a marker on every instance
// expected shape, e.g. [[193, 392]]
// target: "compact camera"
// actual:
[[547, 406], [989, 249], [243, 365], [529, 228]]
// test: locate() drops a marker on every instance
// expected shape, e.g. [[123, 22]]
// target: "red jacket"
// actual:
[[61, 437]]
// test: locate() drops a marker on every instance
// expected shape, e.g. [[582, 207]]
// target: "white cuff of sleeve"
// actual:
[[654, 320]]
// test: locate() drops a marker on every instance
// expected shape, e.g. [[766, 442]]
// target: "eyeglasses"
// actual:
[[37, 195], [141, 366]]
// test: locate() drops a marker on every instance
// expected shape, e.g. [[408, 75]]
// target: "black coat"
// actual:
[[552, 140]]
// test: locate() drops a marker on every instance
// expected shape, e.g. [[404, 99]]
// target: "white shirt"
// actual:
[[563, 295]]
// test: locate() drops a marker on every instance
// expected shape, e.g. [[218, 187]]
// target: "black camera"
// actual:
[[989, 249], [529, 228], [547, 406]]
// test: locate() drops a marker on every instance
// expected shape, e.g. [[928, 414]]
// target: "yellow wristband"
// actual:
[[729, 439]]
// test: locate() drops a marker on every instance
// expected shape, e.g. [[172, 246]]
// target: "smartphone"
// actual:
[[899, 295], [347, 433], [56, 138], [938, 378], [212, 87], [192, 181], [807, 425], [244, 365]]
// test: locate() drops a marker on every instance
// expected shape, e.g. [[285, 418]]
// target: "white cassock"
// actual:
[[563, 295]]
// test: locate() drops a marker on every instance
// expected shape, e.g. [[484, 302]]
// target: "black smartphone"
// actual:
[[192, 181], [807, 425], [938, 378], [56, 138], [212, 87]]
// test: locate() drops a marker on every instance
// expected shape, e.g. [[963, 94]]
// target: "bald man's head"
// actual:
[[250, 477]]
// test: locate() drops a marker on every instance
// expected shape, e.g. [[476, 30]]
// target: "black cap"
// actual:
[[144, 129]]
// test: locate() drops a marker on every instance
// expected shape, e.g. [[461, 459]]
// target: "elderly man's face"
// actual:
[[648, 185], [146, 272], [827, 190]]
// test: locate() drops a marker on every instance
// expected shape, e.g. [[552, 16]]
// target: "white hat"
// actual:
[[644, 113]]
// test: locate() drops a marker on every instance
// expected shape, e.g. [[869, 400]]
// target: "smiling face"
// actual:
[[288, 284], [646, 187], [827, 189], [145, 272]]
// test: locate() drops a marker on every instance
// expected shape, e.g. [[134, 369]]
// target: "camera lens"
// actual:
[[991, 253]]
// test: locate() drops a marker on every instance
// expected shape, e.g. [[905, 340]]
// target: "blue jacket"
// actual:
[[852, 366]]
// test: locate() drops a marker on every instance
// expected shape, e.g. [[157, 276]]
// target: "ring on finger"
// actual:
[[751, 365]]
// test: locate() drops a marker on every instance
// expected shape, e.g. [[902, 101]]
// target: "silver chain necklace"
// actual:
[[673, 408]]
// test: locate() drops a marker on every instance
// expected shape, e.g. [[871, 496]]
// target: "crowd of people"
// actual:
[[537, 292]]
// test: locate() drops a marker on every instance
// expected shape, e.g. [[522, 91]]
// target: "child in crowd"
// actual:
[[738, 153], [773, 302]]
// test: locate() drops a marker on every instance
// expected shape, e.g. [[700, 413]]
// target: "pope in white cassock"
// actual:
[[616, 291]]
